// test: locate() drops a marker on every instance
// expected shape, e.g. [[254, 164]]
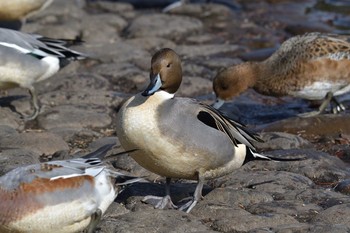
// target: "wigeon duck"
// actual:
[[26, 59], [58, 196], [180, 137], [21, 9], [313, 66]]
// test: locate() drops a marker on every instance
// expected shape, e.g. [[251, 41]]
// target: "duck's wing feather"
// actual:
[[51, 171], [38, 45], [202, 124], [236, 131]]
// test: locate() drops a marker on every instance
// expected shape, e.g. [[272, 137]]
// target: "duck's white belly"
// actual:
[[138, 129], [318, 90], [62, 218], [69, 216]]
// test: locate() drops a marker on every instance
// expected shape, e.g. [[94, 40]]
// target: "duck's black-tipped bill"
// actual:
[[154, 86]]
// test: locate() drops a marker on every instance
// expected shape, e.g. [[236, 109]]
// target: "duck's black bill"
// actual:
[[154, 85]]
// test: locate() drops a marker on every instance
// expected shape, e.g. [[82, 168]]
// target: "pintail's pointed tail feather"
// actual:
[[100, 152], [59, 48], [252, 155], [123, 179]]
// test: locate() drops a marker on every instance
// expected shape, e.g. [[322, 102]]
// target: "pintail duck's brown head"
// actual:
[[166, 72]]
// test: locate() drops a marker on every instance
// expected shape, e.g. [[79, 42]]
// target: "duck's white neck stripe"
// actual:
[[165, 95]]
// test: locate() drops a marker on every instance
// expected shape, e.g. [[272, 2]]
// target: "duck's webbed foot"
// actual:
[[337, 107], [160, 202], [196, 197]]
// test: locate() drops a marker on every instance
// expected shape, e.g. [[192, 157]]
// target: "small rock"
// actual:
[[37, 142], [219, 63], [202, 39], [121, 8], [161, 25], [189, 51], [124, 77], [194, 86], [339, 214], [300, 28], [7, 131], [60, 31], [83, 97], [75, 136], [302, 227], [215, 12], [115, 21], [317, 166], [118, 51], [144, 221], [319, 125], [13, 158], [67, 116], [258, 55], [63, 10], [9, 118], [108, 28], [193, 69], [271, 182], [343, 187], [303, 212], [242, 221], [281, 141], [151, 44], [229, 197]]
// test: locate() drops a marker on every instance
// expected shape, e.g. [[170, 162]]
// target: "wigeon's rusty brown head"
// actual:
[[232, 81]]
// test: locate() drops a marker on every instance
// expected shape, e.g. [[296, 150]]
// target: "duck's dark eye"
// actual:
[[168, 65]]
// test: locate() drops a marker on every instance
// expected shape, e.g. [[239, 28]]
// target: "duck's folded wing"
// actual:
[[237, 132], [38, 45], [51, 171]]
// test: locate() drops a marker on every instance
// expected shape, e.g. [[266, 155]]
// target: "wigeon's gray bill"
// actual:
[[313, 66], [58, 196], [180, 137], [26, 59]]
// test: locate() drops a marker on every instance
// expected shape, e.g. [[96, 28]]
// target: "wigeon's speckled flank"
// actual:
[[313, 66], [180, 137], [26, 59], [58, 196]]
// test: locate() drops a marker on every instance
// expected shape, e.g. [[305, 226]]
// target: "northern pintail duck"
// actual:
[[313, 66], [21, 9], [180, 137], [59, 196], [27, 59]]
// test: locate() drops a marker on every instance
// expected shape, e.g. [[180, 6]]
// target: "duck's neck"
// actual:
[[253, 73], [164, 95], [248, 74]]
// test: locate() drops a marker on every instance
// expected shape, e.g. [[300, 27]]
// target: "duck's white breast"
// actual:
[[139, 128]]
